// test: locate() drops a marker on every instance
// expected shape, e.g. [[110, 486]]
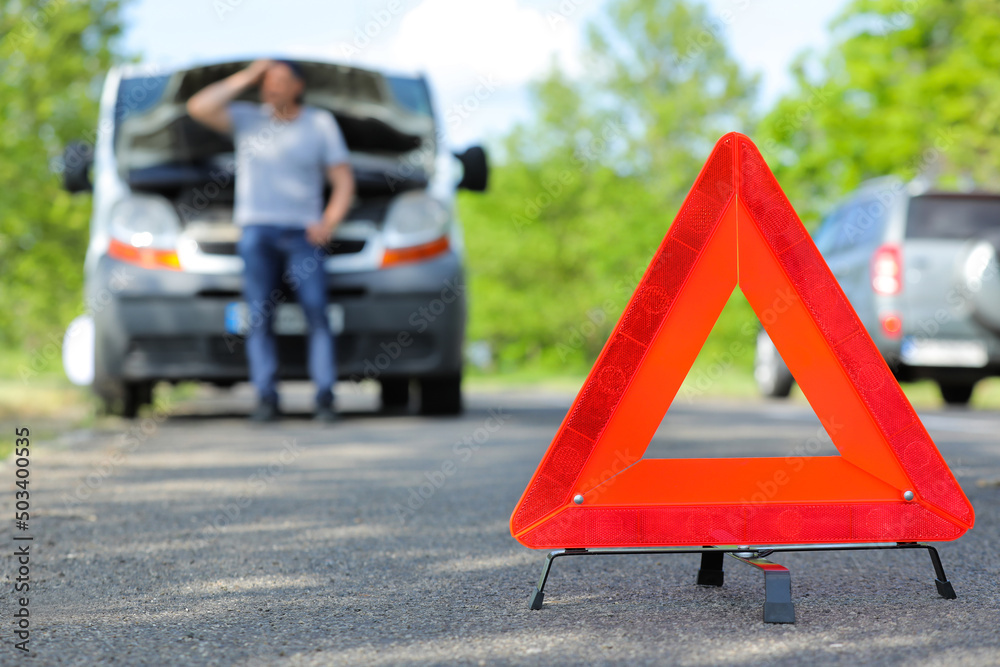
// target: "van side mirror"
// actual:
[[477, 170], [78, 156]]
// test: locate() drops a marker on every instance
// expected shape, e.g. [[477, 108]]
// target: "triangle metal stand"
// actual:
[[778, 606]]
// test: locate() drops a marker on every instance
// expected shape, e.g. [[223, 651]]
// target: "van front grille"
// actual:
[[341, 247]]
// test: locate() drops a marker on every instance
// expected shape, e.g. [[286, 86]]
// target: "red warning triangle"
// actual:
[[594, 489]]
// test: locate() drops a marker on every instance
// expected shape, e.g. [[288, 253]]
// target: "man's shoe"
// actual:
[[265, 412], [325, 414]]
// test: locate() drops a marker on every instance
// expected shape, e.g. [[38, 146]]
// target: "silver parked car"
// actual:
[[162, 261], [920, 268]]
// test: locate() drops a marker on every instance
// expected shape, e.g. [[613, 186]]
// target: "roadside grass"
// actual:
[[49, 405], [43, 399], [46, 407]]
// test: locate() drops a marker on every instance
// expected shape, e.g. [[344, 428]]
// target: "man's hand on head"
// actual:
[[257, 69], [320, 233]]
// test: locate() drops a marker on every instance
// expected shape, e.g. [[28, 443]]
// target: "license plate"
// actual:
[[930, 352], [288, 319]]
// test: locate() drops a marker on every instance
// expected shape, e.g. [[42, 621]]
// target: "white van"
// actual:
[[163, 276]]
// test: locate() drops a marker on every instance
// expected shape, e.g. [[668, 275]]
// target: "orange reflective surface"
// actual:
[[593, 489]]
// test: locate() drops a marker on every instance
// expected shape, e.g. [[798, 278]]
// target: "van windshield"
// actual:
[[137, 94], [953, 216], [387, 123]]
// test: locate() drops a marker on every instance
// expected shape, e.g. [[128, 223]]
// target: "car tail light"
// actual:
[[892, 324], [887, 270]]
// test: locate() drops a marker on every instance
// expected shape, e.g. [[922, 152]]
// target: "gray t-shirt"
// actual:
[[281, 165]]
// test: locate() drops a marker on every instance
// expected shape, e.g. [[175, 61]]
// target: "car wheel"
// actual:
[[134, 396], [441, 395], [123, 399], [769, 370], [395, 393], [956, 393]]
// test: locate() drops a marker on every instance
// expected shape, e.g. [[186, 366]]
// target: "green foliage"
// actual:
[[52, 57], [909, 88], [589, 189]]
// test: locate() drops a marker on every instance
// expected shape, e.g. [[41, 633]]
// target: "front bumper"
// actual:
[[405, 321]]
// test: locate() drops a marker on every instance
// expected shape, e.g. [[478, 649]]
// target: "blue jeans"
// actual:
[[269, 253]]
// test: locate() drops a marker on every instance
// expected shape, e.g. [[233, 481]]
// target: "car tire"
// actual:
[[772, 376], [441, 395], [123, 399], [395, 393], [134, 396], [956, 393]]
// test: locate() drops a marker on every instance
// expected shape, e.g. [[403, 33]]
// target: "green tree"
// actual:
[[909, 88], [52, 57], [590, 187]]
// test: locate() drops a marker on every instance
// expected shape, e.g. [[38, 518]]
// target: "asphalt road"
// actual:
[[194, 537]]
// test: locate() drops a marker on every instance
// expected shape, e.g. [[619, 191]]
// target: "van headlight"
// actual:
[[145, 221], [144, 231], [415, 218]]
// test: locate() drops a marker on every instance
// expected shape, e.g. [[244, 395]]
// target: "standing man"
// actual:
[[284, 153]]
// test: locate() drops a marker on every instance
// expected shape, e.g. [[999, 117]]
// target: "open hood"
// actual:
[[387, 123]]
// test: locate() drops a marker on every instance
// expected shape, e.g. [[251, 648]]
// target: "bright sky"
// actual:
[[479, 55]]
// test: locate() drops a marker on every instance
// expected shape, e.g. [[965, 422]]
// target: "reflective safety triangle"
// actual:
[[594, 489]]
